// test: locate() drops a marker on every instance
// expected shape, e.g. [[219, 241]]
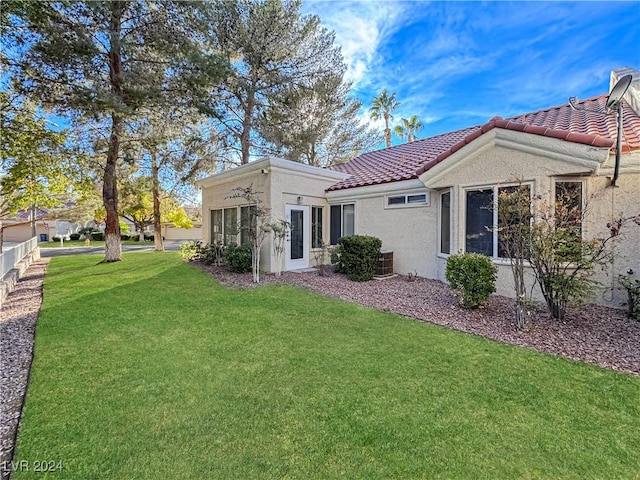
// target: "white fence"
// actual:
[[14, 255]]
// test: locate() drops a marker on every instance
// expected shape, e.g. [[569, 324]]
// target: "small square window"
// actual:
[[422, 198], [396, 200]]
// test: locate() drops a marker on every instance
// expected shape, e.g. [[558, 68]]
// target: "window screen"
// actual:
[[445, 223], [335, 224], [316, 227], [230, 226], [479, 235]]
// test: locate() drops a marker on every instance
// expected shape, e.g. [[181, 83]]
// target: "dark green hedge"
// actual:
[[358, 256], [238, 257], [472, 274]]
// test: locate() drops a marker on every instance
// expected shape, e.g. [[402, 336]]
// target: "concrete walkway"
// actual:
[[169, 245]]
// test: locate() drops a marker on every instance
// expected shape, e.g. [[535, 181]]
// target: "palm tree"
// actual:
[[408, 128], [381, 107]]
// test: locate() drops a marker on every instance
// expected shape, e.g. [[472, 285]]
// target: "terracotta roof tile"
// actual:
[[407, 161]]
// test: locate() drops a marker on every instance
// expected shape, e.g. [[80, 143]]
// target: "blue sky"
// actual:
[[458, 64]]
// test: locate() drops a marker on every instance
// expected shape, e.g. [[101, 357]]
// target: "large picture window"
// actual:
[[224, 226], [479, 225], [482, 229], [342, 221]]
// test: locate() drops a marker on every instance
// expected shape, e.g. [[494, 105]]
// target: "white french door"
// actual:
[[297, 244]]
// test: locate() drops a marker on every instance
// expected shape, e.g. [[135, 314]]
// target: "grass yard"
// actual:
[[148, 368]]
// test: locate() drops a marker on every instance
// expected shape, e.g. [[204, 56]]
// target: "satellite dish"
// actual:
[[619, 89]]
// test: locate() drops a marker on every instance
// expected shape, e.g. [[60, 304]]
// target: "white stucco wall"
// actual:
[[505, 157], [409, 231], [280, 183]]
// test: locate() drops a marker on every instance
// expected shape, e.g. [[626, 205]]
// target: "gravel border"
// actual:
[[18, 317]]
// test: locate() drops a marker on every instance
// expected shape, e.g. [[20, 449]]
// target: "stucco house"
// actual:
[[427, 199]]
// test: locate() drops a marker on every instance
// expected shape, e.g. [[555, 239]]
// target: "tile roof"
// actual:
[[407, 161]]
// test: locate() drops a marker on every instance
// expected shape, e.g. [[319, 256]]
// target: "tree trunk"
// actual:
[[245, 136], [387, 131], [112, 250], [155, 190], [112, 247], [556, 308]]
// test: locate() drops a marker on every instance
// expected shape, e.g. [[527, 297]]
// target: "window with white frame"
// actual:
[[248, 221], [445, 222], [569, 206], [407, 200], [482, 229], [342, 221], [224, 226], [316, 227], [216, 227], [230, 226]]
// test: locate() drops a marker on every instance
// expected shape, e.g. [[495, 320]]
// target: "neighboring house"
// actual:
[[17, 228], [427, 199]]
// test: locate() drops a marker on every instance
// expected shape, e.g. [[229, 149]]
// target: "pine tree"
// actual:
[[102, 62], [273, 48]]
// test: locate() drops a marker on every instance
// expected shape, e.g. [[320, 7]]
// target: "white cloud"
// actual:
[[360, 27]]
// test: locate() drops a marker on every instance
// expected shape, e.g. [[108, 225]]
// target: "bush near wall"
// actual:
[[358, 256], [238, 257], [472, 274], [190, 251]]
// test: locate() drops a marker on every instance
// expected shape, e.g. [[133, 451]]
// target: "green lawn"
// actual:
[[148, 368]]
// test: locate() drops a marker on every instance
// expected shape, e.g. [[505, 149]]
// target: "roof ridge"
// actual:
[[557, 107]]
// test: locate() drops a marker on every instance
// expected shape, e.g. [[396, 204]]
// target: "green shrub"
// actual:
[[149, 238], [97, 236], [358, 256], [74, 236], [125, 236], [190, 250], [632, 286], [212, 254], [472, 274], [238, 257]]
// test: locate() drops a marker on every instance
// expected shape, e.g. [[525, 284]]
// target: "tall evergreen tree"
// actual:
[[104, 61], [318, 126], [273, 48]]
